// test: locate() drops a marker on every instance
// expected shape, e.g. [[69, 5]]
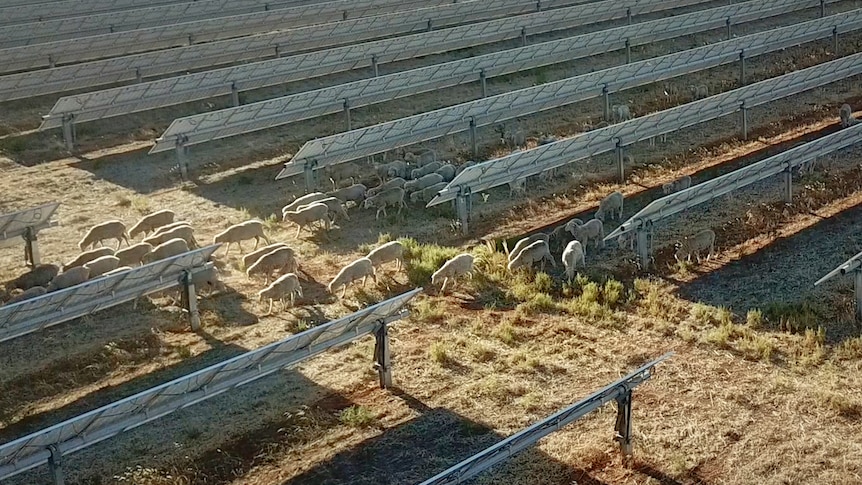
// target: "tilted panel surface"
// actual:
[[519, 165], [266, 114], [15, 224], [20, 11], [97, 425], [91, 296]]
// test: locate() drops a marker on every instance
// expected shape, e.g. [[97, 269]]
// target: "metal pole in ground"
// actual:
[[383, 362], [643, 247], [857, 278], [463, 212], [55, 465], [31, 247], [182, 159], [191, 301], [69, 135], [623, 426]]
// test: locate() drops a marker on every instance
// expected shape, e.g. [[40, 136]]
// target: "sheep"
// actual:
[[67, 279], [152, 221], [464, 166], [107, 230], [185, 233], [461, 264], [677, 185], [388, 198], [279, 259], [88, 256], [518, 187], [169, 227], [285, 286], [428, 193], [559, 237], [306, 215], [355, 193], [446, 171], [391, 251], [119, 269], [395, 168], [336, 208], [102, 265], [593, 229], [423, 182], [627, 240], [698, 92], [207, 279], [572, 255], [41, 275], [537, 251], [133, 255], [621, 112], [252, 229], [395, 183], [304, 200], [425, 170], [343, 171], [513, 139], [524, 242], [846, 114], [610, 204], [166, 249], [362, 268], [546, 140], [252, 257], [695, 244], [28, 294]]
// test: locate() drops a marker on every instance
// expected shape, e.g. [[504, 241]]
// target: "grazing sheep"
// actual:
[[459, 265], [677, 185], [343, 171], [252, 257], [362, 268], [395, 183], [102, 265], [572, 255], [423, 182], [279, 259], [41, 275], [107, 230], [627, 240], [185, 233], [169, 227], [88, 256], [425, 195], [511, 139], [546, 139], [285, 286], [387, 198], [703, 240], [524, 242], [518, 187], [391, 251], [593, 229], [308, 214], [699, 92], [243, 231], [425, 170], [152, 221], [67, 279], [558, 238], [446, 171], [395, 168], [208, 280], [166, 249], [336, 208], [28, 294], [611, 203], [133, 255], [355, 193], [304, 200], [846, 114], [464, 166], [621, 112], [119, 269], [534, 253]]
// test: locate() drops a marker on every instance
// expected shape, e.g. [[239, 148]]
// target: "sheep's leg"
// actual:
[[445, 282], [227, 249], [298, 228], [256, 242], [343, 291], [239, 245], [270, 306]]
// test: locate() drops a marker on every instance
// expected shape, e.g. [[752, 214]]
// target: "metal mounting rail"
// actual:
[[26, 224]]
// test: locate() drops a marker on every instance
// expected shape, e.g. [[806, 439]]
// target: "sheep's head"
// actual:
[[600, 215]]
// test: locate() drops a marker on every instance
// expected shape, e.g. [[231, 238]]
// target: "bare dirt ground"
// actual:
[[746, 399]]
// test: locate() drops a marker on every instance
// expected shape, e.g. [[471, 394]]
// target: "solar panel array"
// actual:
[[16, 224], [853, 264], [89, 297], [267, 114], [87, 429], [522, 164], [378, 138], [18, 11], [712, 189]]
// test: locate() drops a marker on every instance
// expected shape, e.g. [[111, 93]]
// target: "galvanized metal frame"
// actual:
[[26, 224], [100, 424], [619, 391], [852, 266], [25, 11]]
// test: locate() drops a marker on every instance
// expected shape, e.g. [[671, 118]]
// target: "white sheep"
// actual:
[[695, 244], [573, 254], [107, 230], [447, 171], [252, 257], [546, 139], [395, 168], [336, 208], [67, 279], [252, 229], [387, 198], [593, 229], [285, 286], [152, 221], [611, 203], [102, 265], [88, 256], [119, 269], [343, 171], [395, 183], [391, 251], [208, 280], [677, 185], [280, 259], [428, 193], [186, 233], [133, 255], [354, 193], [524, 242], [846, 114], [459, 265], [41, 275], [169, 227], [559, 237], [423, 182], [304, 200], [621, 112], [699, 92], [518, 187], [464, 166], [627, 240], [534, 253], [511, 139], [27, 294], [424, 170], [307, 215], [362, 268], [167, 249]]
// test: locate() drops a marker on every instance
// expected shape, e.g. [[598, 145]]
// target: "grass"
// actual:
[[357, 417], [439, 353], [792, 317], [422, 260]]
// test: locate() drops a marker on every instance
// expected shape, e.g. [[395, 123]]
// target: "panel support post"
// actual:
[[484, 80], [623, 426], [628, 52], [191, 301], [744, 113], [374, 65], [182, 158], [523, 37], [55, 465], [234, 95], [31, 247], [857, 279], [621, 162], [309, 175], [474, 144], [347, 113], [729, 32], [139, 78], [822, 8], [383, 362], [742, 68], [629, 15], [69, 135], [835, 40], [788, 185], [606, 104], [462, 204], [430, 25], [643, 247], [51, 62]]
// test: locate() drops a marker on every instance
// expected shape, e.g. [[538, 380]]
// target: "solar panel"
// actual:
[[16, 224], [522, 164], [18, 11], [851, 265], [378, 138]]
